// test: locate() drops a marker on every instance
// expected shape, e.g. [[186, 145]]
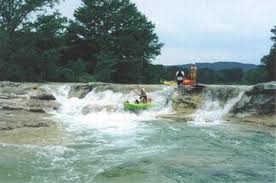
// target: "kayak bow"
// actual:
[[137, 107]]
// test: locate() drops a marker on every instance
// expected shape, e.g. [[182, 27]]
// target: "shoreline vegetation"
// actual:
[[97, 45]]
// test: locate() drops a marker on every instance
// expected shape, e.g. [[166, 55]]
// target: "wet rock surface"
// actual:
[[27, 99], [259, 100], [185, 101], [19, 119], [257, 105], [81, 90], [25, 105]]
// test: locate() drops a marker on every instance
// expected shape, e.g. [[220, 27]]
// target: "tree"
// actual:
[[48, 35], [115, 27], [19, 57], [14, 13], [254, 76], [269, 61], [208, 76]]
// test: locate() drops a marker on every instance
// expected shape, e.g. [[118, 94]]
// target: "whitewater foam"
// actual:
[[212, 111], [104, 111]]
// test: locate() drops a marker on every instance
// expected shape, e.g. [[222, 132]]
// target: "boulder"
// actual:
[[80, 91], [259, 100], [186, 103], [40, 94]]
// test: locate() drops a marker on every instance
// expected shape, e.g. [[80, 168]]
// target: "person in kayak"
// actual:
[[193, 73], [179, 77], [143, 98]]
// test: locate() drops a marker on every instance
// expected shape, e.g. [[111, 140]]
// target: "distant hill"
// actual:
[[220, 66]]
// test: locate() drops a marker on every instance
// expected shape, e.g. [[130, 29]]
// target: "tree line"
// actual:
[[108, 41]]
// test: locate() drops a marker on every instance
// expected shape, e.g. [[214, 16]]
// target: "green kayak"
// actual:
[[137, 107]]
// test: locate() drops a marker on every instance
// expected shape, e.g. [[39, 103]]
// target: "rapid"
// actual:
[[102, 143]]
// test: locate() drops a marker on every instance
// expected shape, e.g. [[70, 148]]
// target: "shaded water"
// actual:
[[116, 146]]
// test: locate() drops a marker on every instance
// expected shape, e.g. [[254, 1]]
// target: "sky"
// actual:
[[206, 30]]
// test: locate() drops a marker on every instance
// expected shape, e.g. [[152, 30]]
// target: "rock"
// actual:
[[26, 97], [18, 119], [265, 120], [40, 95], [25, 104], [223, 93], [80, 91], [265, 86], [186, 103], [259, 100]]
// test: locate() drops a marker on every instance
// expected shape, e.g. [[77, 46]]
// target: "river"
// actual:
[[101, 143]]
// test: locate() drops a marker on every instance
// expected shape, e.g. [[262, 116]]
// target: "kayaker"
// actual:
[[142, 96], [193, 73], [179, 77]]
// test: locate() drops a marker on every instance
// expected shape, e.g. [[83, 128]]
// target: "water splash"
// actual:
[[212, 111], [104, 110]]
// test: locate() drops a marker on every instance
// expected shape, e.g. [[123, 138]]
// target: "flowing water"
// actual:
[[101, 143]]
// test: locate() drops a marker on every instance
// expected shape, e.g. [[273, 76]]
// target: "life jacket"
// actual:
[[179, 74]]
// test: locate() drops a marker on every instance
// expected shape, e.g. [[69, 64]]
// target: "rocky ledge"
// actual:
[[25, 105], [257, 105]]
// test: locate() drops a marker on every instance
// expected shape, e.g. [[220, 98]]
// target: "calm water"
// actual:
[[150, 151]]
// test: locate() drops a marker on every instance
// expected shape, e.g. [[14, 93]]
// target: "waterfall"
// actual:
[[218, 101]]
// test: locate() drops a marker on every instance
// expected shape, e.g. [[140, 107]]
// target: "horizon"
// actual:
[[211, 34], [189, 63]]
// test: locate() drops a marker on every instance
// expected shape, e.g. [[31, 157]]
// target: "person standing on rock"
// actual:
[[180, 75], [193, 73]]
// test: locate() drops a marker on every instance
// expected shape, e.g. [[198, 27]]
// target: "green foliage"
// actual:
[[269, 61], [207, 76], [14, 13], [74, 71], [120, 30], [105, 69], [225, 76], [254, 76]]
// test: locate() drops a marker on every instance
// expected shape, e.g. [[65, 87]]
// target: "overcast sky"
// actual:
[[207, 30]]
